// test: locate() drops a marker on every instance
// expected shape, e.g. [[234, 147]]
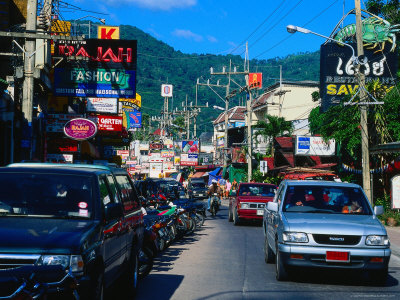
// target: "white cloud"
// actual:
[[187, 34], [160, 4], [212, 39]]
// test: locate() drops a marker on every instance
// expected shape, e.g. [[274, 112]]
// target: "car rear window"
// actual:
[[326, 199], [257, 190], [46, 195]]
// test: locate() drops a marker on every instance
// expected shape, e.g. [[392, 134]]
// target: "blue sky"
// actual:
[[223, 26]]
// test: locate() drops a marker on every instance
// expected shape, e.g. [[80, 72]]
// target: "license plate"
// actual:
[[337, 256], [200, 195], [260, 212]]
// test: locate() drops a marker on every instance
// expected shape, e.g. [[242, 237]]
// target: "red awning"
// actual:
[[198, 175]]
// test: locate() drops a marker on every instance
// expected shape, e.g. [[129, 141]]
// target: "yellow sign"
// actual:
[[59, 27], [129, 104], [108, 32]]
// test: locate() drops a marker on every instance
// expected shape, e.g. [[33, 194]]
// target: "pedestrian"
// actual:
[[228, 186], [235, 185]]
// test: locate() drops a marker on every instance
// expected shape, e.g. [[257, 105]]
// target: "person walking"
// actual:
[[235, 185], [228, 186]]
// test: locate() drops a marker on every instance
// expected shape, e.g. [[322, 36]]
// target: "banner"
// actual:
[[314, 146]]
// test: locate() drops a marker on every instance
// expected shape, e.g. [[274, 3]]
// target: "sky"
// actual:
[[222, 26]]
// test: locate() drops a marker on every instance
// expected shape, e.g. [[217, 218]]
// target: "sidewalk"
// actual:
[[394, 236]]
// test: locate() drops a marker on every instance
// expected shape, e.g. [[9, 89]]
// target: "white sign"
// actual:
[[166, 90], [107, 105], [396, 191], [314, 145], [263, 166]]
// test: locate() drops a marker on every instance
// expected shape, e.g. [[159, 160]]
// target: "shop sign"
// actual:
[[62, 145], [102, 105], [80, 129], [56, 122], [108, 123], [314, 146], [135, 119], [189, 159], [123, 153], [131, 103], [255, 80], [155, 146], [108, 32], [167, 153]]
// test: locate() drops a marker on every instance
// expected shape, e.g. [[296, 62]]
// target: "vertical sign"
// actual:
[[108, 32], [166, 90], [396, 192], [255, 80]]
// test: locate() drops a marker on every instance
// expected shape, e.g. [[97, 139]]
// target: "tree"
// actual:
[[272, 128]]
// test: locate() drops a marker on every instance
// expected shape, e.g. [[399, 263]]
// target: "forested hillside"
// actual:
[[159, 63]]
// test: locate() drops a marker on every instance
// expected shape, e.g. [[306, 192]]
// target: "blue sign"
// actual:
[[303, 143], [240, 124], [135, 119]]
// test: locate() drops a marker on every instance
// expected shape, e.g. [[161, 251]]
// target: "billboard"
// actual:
[[189, 159], [190, 147], [96, 68], [99, 105], [314, 145], [337, 74], [108, 32]]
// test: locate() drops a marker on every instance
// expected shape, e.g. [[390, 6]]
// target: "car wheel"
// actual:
[[230, 217], [146, 261], [235, 218], [281, 272], [268, 253], [379, 277]]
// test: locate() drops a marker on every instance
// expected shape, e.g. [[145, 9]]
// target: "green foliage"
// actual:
[[385, 201], [274, 180]]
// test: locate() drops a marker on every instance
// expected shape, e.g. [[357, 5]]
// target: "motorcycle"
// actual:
[[214, 204]]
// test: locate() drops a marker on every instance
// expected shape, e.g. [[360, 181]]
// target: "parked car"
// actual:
[[249, 201], [325, 224], [86, 218], [197, 189]]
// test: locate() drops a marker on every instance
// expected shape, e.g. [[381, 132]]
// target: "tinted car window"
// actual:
[[129, 197], [198, 185], [52, 195], [342, 200], [257, 190]]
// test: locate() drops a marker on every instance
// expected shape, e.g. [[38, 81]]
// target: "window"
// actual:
[[104, 192], [113, 188], [129, 197]]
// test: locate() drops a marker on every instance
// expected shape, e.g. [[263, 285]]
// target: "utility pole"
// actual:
[[363, 108], [29, 66]]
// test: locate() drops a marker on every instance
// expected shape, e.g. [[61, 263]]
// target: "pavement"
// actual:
[[394, 236]]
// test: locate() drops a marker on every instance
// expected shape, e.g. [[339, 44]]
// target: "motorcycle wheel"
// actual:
[[192, 226], [146, 261], [199, 220]]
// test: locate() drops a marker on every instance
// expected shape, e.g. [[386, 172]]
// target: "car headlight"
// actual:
[[74, 262], [244, 205], [377, 240], [295, 237]]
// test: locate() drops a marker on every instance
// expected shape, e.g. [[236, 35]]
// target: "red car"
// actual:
[[249, 202]]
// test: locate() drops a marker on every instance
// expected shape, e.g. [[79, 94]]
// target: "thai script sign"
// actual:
[[80, 129], [337, 75], [313, 145], [255, 80], [107, 105]]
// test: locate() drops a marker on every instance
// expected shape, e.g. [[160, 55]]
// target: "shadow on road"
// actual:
[[157, 286]]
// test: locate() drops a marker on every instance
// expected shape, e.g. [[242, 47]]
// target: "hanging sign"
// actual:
[[80, 129]]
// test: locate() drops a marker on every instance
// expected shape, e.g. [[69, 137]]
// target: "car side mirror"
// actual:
[[272, 206], [113, 211], [378, 210]]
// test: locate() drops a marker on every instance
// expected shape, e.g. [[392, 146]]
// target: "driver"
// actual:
[[213, 189]]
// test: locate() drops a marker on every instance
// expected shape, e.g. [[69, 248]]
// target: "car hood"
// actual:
[[345, 224], [200, 189], [36, 235]]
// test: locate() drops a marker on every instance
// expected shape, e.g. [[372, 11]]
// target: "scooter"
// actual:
[[214, 204]]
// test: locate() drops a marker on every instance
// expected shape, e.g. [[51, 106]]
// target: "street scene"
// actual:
[[189, 149]]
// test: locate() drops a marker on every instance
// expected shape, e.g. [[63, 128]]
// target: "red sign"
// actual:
[[255, 80], [62, 145], [108, 123]]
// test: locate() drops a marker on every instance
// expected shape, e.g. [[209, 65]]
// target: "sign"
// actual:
[[337, 73], [80, 129], [189, 159], [99, 105], [59, 27], [131, 103], [166, 90], [135, 119], [240, 124], [190, 147], [108, 123], [155, 146], [396, 192], [263, 166], [123, 153], [56, 122], [57, 145], [220, 142], [314, 146], [108, 32], [255, 80], [177, 160], [167, 153], [205, 158]]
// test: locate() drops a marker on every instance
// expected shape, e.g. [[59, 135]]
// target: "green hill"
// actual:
[[158, 63]]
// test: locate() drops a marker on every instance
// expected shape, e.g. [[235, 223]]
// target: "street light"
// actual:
[[103, 21], [294, 29]]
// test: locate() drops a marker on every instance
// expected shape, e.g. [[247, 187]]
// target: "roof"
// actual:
[[305, 83], [320, 183], [260, 101], [285, 142], [55, 168], [289, 158], [158, 131], [234, 113]]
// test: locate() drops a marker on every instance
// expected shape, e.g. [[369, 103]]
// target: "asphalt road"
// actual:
[[223, 261]]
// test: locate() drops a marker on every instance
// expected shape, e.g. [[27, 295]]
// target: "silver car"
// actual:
[[324, 224]]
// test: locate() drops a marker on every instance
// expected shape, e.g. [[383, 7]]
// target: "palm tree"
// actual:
[[273, 127]]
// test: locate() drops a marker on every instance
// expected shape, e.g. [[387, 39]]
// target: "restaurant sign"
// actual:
[[80, 129]]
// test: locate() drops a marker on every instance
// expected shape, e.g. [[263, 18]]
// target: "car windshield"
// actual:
[[45, 195], [326, 199], [257, 190], [198, 184]]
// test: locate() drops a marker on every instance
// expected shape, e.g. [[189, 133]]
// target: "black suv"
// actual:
[[85, 218], [197, 189]]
